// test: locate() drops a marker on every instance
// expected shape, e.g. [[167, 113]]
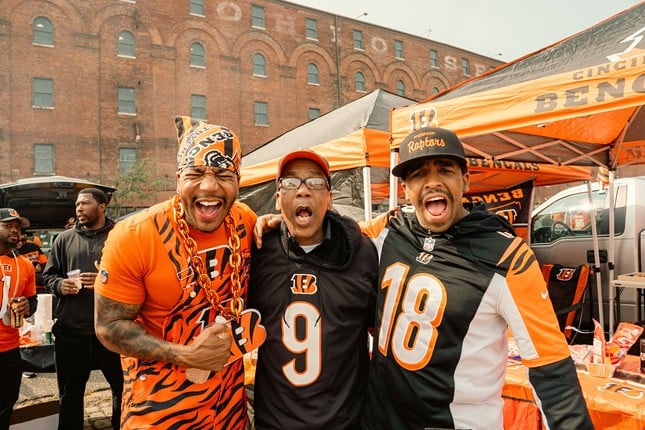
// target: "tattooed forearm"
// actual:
[[116, 328]]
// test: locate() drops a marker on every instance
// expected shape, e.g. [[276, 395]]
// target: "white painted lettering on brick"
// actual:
[[229, 11], [480, 68], [334, 29], [379, 44], [450, 62]]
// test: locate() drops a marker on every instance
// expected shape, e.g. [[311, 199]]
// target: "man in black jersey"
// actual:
[[453, 279], [314, 282]]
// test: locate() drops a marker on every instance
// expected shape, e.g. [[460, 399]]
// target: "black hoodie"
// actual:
[[317, 308], [443, 310], [74, 248]]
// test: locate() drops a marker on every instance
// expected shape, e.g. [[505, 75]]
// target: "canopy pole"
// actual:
[[596, 259], [611, 251], [394, 181], [367, 192]]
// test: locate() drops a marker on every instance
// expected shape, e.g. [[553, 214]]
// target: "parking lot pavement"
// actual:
[[42, 388]]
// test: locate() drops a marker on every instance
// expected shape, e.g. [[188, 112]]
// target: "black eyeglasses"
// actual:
[[311, 183]]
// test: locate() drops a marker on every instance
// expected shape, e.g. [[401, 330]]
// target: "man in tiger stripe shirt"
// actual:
[[171, 286]]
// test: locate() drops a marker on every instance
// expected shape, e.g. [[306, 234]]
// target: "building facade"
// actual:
[[90, 87]]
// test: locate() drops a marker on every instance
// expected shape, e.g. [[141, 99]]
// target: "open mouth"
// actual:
[[208, 208], [303, 214], [436, 206]]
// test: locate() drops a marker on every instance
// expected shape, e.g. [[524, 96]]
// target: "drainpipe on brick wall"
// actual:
[[100, 121], [336, 37]]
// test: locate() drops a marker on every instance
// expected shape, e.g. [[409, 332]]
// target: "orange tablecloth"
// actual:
[[614, 403]]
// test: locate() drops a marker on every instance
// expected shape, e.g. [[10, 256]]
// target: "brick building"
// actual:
[[90, 87]]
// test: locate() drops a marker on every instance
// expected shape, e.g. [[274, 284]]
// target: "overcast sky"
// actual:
[[511, 28]]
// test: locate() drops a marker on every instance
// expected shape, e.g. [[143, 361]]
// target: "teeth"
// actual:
[[209, 203], [434, 199]]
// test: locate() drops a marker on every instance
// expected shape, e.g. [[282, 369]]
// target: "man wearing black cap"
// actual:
[[17, 300], [453, 280], [314, 282]]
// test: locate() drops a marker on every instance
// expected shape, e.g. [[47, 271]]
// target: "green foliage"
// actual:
[[136, 185]]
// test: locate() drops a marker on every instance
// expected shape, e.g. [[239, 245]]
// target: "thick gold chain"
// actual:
[[236, 304]]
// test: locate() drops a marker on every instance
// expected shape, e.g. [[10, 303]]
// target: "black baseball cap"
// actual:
[[9, 214], [429, 142]]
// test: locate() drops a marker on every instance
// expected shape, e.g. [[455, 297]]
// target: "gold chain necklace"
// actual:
[[236, 304]]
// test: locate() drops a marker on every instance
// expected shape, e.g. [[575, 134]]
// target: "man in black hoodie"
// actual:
[[314, 282], [453, 279], [77, 349]]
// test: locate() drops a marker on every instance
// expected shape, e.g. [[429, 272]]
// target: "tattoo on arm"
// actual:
[[117, 329]]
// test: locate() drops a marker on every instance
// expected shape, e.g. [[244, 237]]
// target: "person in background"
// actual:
[[453, 280], [170, 295], [314, 283], [77, 349], [29, 248], [70, 223], [18, 297]]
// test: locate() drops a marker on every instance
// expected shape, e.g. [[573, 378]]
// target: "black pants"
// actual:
[[75, 359], [10, 375]]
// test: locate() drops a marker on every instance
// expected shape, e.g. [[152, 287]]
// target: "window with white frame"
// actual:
[[398, 50], [127, 159], [43, 31], [198, 106], [197, 7], [261, 113], [126, 44], [259, 65], [400, 88], [312, 74], [358, 39], [257, 16], [44, 159], [43, 93], [359, 82], [197, 56], [127, 101], [465, 66], [434, 58], [311, 29]]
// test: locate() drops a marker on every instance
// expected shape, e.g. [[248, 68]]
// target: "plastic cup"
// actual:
[[76, 276]]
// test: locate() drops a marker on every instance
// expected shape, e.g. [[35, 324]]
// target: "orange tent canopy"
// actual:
[[576, 102]]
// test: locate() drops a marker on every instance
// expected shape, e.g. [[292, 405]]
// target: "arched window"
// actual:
[[435, 90], [197, 55], [259, 65], [359, 81], [312, 74], [400, 88], [43, 31], [126, 44]]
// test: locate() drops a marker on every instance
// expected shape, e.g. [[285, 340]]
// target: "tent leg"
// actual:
[[596, 258], [394, 181], [367, 193]]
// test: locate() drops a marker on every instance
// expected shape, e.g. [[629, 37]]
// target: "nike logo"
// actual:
[[544, 294]]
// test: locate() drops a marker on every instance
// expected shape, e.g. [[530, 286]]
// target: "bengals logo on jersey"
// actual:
[[304, 283], [247, 334], [565, 274]]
